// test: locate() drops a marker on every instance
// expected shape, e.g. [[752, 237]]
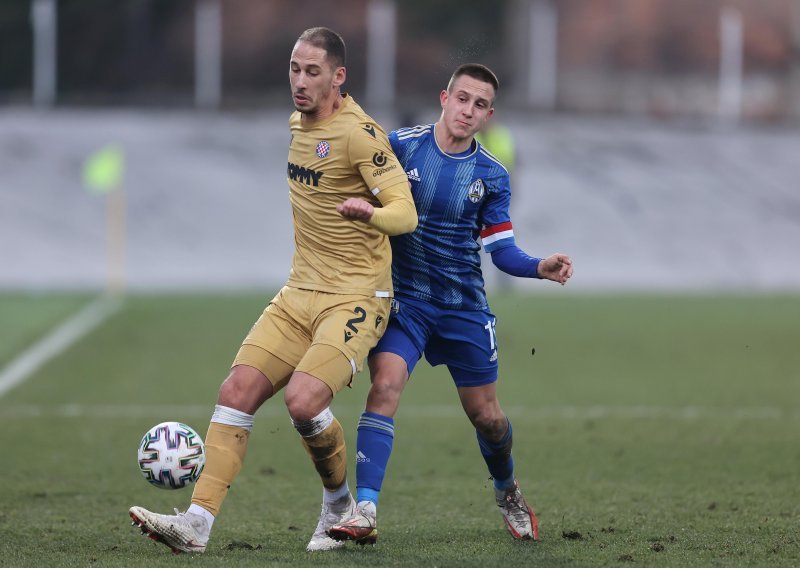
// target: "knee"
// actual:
[[233, 393], [491, 423], [305, 403], [244, 390], [299, 405], [384, 394], [385, 390]]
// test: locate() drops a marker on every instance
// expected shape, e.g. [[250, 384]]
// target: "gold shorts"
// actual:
[[325, 335]]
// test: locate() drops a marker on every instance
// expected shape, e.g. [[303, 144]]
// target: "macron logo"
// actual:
[[413, 174], [361, 458]]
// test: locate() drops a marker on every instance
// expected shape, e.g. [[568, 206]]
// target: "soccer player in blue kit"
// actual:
[[440, 310]]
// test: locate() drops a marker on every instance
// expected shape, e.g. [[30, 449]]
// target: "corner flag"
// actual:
[[103, 171], [102, 175]]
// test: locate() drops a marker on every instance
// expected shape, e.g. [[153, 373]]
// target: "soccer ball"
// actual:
[[171, 455]]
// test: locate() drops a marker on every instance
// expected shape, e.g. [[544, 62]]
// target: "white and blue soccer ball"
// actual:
[[171, 455]]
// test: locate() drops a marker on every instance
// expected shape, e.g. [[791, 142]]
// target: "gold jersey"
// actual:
[[344, 155]]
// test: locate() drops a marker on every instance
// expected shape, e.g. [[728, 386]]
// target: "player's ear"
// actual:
[[443, 96], [339, 76], [487, 118]]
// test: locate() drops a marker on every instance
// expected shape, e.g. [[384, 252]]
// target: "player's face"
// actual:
[[466, 106], [314, 81]]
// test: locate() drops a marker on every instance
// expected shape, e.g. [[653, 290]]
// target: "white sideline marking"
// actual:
[[57, 341], [185, 411]]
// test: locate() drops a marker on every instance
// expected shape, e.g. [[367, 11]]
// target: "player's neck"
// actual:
[[448, 143], [307, 119]]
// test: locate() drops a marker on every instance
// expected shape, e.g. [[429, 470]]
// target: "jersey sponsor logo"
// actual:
[[395, 306], [323, 149], [476, 190], [413, 175], [380, 160], [369, 129], [304, 174]]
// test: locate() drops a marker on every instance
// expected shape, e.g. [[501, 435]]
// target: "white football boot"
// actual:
[[361, 527], [519, 517], [332, 513], [182, 532]]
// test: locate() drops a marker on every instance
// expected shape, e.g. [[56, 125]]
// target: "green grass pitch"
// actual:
[[649, 430]]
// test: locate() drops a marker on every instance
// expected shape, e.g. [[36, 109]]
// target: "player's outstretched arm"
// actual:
[[556, 267]]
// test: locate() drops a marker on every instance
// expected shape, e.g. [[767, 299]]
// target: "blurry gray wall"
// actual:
[[640, 205], [615, 106]]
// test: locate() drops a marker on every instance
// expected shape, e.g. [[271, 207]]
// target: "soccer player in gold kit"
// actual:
[[348, 193]]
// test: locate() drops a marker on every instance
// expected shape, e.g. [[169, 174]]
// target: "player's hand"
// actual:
[[356, 209], [556, 267]]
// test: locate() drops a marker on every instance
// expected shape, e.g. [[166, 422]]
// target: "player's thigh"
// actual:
[[344, 331], [397, 340], [466, 343], [280, 338]]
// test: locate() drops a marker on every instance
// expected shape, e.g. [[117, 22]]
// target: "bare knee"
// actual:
[[299, 405], [389, 375], [490, 422], [245, 389], [384, 395], [306, 397]]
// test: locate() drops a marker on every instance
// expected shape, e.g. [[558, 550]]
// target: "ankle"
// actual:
[[368, 507], [199, 511]]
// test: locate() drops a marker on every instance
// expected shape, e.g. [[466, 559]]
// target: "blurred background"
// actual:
[[143, 142]]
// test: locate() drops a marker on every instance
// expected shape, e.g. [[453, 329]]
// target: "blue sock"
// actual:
[[498, 458], [373, 448]]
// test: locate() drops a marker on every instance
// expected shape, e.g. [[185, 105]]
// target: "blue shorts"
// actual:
[[465, 341]]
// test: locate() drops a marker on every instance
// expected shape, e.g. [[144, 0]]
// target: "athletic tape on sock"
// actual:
[[320, 422], [232, 417]]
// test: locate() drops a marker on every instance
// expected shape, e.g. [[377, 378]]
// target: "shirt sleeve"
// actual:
[[513, 260], [372, 154], [496, 229]]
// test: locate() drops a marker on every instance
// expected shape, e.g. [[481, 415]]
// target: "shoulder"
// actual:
[[491, 162], [358, 123], [411, 135], [413, 132]]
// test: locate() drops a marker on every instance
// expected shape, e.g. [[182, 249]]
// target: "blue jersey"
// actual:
[[459, 199]]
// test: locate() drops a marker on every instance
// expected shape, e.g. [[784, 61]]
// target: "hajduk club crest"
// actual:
[[323, 149]]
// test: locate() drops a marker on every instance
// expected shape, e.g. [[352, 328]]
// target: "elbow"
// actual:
[[403, 228], [393, 219], [407, 223], [411, 224]]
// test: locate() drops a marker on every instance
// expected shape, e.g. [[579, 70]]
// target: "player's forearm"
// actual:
[[397, 216], [513, 260]]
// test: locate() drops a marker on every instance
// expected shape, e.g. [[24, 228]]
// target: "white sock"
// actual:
[[198, 510], [329, 496]]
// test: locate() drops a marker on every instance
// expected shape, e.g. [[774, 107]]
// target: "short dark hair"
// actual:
[[476, 71], [329, 40]]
